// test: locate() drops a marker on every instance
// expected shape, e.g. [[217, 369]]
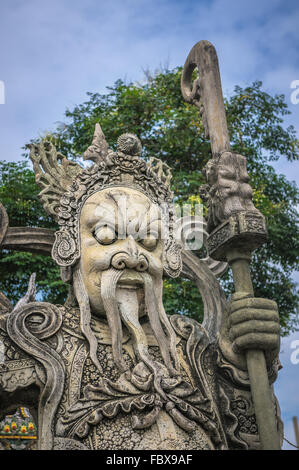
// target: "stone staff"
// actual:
[[235, 226]]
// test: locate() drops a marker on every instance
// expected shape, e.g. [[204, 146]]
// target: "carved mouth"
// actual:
[[130, 279]]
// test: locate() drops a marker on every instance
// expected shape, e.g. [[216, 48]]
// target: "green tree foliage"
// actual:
[[18, 194], [172, 130]]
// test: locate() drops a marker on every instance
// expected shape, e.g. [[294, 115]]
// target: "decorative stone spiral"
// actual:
[[64, 251], [28, 326]]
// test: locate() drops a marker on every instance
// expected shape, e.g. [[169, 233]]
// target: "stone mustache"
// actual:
[[109, 369]]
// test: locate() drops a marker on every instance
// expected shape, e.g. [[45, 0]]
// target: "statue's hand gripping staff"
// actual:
[[235, 226]]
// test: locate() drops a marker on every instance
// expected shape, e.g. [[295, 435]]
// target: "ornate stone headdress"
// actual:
[[66, 186]]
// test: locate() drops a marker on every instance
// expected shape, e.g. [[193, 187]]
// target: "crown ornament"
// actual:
[[66, 186]]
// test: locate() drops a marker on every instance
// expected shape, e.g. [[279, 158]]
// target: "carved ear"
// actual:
[[65, 251], [172, 258]]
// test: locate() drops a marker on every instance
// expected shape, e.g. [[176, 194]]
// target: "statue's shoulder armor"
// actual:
[[9, 351], [71, 320]]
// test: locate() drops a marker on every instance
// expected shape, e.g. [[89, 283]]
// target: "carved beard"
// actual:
[[121, 304]]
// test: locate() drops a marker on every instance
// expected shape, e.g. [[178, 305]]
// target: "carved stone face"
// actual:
[[121, 266], [120, 228]]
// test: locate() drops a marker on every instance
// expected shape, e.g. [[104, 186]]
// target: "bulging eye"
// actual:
[[149, 242], [105, 235]]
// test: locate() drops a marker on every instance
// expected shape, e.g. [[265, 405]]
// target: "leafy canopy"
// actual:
[[172, 130]]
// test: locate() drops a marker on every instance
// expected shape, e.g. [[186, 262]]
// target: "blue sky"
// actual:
[[53, 52]]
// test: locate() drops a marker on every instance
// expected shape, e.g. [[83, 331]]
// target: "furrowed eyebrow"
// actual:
[[104, 221], [112, 197], [98, 218], [150, 227], [107, 211]]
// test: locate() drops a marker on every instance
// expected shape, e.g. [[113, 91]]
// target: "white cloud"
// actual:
[[53, 52]]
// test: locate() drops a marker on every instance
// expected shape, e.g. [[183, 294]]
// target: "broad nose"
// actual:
[[123, 260], [130, 258]]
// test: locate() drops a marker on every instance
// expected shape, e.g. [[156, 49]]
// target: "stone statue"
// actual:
[[110, 369]]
